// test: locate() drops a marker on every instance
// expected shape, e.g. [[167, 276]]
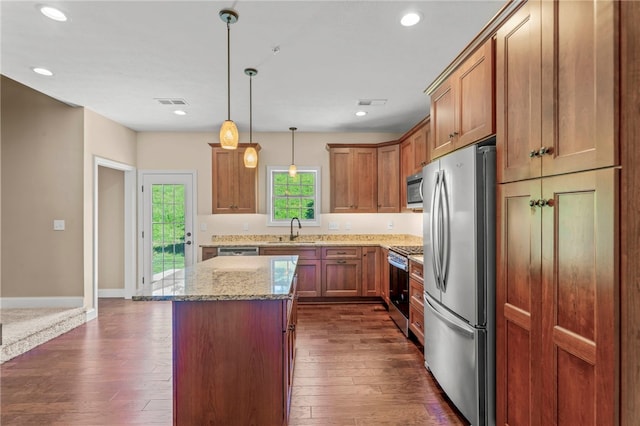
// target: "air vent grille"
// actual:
[[371, 102], [171, 101]]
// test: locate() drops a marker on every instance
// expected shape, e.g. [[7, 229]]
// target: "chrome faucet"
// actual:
[[291, 236]]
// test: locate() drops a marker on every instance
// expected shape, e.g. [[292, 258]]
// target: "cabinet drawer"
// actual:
[[209, 252], [416, 321], [301, 252], [416, 289], [416, 271], [341, 252]]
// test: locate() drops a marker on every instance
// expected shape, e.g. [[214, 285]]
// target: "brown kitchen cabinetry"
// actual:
[[414, 155], [384, 274], [557, 288], [462, 105], [389, 178], [556, 89], [556, 294], [234, 186], [353, 180], [309, 273], [341, 271], [370, 271], [416, 304], [209, 252]]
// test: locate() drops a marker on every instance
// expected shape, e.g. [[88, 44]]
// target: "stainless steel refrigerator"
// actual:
[[459, 278]]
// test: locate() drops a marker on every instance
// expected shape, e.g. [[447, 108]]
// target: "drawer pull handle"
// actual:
[[342, 261]]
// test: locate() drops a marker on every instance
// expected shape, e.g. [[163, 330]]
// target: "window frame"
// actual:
[[318, 195]]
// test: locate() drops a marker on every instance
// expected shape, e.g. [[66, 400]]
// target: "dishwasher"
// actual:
[[238, 251]]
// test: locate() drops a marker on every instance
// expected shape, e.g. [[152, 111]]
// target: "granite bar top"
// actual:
[[227, 278], [417, 258], [382, 240]]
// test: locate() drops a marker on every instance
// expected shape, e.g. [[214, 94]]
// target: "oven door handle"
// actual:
[[397, 264]]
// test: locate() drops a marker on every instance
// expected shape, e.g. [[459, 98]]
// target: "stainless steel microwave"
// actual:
[[414, 191]]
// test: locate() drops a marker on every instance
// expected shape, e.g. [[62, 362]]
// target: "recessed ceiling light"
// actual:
[[179, 112], [53, 13], [42, 71], [361, 113], [410, 19]]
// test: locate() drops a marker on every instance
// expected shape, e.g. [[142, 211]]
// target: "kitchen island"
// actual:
[[233, 339]]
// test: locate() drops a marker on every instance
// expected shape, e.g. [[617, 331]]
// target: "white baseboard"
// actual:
[[91, 314], [41, 302], [111, 292]]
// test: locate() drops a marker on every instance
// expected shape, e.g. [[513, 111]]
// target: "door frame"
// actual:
[[129, 225], [194, 214]]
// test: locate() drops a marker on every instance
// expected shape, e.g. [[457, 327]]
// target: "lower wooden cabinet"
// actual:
[[556, 297], [384, 274], [309, 267], [370, 271], [341, 277], [416, 303]]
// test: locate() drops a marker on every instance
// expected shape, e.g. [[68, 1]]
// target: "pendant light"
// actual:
[[229, 130], [250, 154], [292, 168]]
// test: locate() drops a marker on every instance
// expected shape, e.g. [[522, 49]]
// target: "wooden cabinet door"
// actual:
[[341, 278], [406, 169], [389, 179], [443, 119], [384, 274], [370, 271], [580, 291], [209, 252], [365, 179], [420, 140], [246, 185], [518, 95], [223, 186], [474, 102], [518, 305], [309, 278], [579, 102], [341, 185]]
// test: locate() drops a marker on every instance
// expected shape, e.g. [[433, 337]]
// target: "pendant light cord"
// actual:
[[292, 149], [228, 69], [250, 108]]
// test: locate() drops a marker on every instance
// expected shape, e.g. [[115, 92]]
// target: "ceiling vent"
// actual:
[[171, 101], [371, 102]]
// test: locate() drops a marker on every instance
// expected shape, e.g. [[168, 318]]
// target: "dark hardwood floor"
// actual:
[[353, 367]]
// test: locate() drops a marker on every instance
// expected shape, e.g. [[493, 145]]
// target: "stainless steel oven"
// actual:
[[399, 284]]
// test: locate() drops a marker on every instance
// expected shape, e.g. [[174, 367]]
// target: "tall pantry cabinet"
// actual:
[[558, 281]]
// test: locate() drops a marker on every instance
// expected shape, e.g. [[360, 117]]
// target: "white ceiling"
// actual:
[[117, 57]]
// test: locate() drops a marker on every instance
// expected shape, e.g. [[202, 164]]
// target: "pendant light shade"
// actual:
[[229, 130], [250, 154], [293, 170]]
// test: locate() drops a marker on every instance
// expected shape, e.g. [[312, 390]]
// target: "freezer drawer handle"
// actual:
[[448, 320]]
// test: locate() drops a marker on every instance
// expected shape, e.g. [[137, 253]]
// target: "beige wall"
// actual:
[[42, 180], [106, 139], [110, 228]]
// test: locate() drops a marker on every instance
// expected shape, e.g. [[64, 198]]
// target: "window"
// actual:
[[293, 197]]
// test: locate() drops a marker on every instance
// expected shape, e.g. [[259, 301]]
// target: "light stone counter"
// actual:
[[382, 240], [417, 258], [227, 278]]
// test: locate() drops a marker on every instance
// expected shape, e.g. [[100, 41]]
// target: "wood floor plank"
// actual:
[[353, 368]]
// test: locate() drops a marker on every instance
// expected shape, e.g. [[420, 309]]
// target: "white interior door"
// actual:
[[166, 214]]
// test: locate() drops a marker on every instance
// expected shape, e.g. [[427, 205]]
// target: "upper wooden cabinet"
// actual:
[[462, 106], [354, 180], [234, 187], [389, 179], [556, 89], [414, 155]]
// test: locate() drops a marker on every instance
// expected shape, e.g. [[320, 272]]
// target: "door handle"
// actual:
[[188, 243]]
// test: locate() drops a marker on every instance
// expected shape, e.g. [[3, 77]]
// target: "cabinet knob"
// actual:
[[292, 327], [533, 153], [545, 150], [455, 133], [541, 203], [532, 203]]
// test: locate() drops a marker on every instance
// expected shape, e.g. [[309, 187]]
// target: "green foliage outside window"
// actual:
[[294, 196], [167, 225]]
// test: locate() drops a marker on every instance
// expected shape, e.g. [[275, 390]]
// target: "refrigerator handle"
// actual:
[[455, 324], [446, 233], [433, 225]]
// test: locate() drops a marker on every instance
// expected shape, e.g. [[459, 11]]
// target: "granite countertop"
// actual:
[[382, 240], [417, 258], [227, 278]]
